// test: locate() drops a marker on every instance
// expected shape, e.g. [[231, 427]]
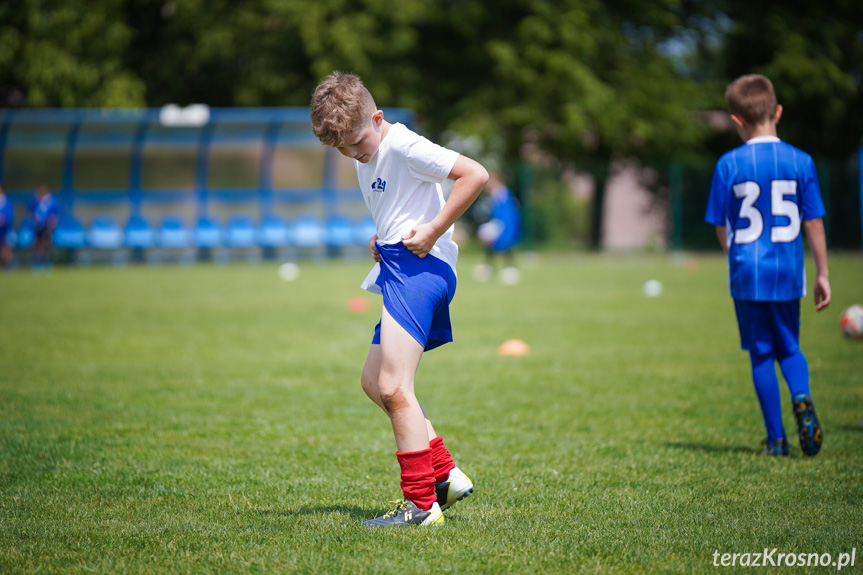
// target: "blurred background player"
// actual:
[[7, 223], [501, 233], [762, 193], [400, 175], [43, 209]]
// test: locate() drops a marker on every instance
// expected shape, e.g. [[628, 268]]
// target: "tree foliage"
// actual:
[[589, 79], [66, 54], [813, 54]]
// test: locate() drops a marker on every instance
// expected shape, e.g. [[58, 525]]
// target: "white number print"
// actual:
[[779, 206], [749, 191]]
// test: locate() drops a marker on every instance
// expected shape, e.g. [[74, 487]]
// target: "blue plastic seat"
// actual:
[[104, 233], [69, 233], [240, 232], [340, 231], [208, 233], [139, 233], [274, 232], [308, 232], [173, 233]]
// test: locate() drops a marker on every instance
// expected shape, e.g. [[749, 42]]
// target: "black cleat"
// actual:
[[407, 513], [776, 447], [808, 426]]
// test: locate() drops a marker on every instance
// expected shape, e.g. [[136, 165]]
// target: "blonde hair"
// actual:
[[752, 98], [341, 105]]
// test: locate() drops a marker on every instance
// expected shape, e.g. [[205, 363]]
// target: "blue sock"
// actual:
[[767, 389], [795, 370]]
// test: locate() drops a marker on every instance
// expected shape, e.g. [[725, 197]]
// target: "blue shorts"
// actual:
[[417, 293], [769, 327]]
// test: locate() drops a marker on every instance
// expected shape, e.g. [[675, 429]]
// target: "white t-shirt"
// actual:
[[401, 186]]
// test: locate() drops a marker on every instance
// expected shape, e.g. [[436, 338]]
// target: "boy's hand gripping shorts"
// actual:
[[417, 293]]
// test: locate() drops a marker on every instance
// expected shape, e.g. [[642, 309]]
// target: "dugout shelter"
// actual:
[[195, 181]]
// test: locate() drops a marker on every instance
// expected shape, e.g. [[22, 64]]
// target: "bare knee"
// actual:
[[394, 401], [370, 387]]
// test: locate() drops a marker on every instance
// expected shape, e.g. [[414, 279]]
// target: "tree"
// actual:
[[270, 52], [583, 82], [813, 54], [580, 81], [66, 54]]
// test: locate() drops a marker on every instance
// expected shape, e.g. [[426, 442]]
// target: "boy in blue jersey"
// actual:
[[400, 175], [7, 223], [762, 194], [502, 232], [43, 209]]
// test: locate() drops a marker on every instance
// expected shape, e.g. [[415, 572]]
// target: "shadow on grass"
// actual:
[[710, 448], [355, 512]]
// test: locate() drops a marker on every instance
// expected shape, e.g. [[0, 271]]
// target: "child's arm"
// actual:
[[723, 240], [818, 246], [470, 178]]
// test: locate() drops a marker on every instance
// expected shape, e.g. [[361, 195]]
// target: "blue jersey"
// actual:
[[7, 217], [762, 192], [43, 210], [505, 209]]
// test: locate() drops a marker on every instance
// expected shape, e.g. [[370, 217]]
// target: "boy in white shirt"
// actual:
[[400, 175]]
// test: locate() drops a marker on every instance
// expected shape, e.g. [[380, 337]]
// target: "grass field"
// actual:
[[210, 420]]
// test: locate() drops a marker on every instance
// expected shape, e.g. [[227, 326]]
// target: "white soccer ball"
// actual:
[[510, 275], [289, 271], [851, 322], [652, 288]]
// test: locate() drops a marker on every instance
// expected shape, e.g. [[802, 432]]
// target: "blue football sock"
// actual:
[[795, 370], [767, 389]]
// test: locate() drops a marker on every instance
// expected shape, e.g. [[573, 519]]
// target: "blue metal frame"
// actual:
[[67, 191], [860, 177], [143, 120], [202, 167], [4, 133], [265, 180], [135, 190]]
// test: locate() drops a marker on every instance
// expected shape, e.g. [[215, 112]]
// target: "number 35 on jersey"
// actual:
[[780, 205]]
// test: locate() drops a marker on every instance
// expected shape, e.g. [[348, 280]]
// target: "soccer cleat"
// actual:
[[407, 513], [776, 447], [455, 488], [808, 426]]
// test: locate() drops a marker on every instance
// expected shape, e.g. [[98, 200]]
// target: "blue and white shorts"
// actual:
[[769, 327], [417, 293]]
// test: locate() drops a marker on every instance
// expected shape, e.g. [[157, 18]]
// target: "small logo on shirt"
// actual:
[[379, 186]]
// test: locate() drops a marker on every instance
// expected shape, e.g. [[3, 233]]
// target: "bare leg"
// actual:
[[429, 428], [5, 255], [369, 381], [396, 360], [371, 372]]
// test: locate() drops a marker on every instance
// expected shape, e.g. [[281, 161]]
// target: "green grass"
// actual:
[[210, 420]]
